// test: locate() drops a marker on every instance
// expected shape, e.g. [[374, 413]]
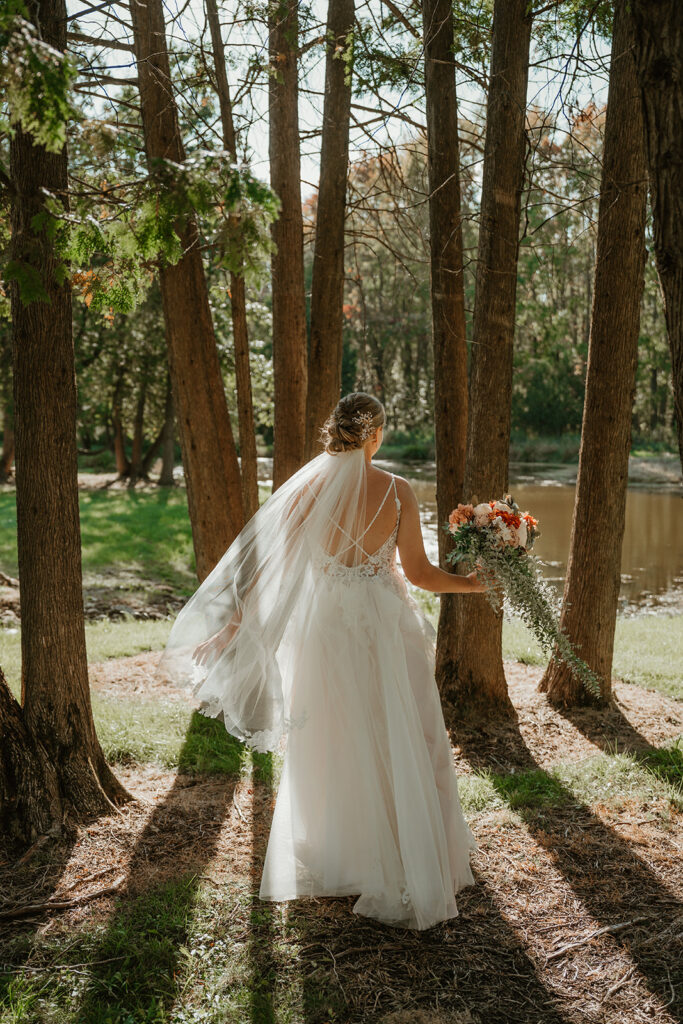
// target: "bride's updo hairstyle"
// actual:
[[355, 418]]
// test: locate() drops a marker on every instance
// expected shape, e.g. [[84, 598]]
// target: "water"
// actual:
[[652, 551]]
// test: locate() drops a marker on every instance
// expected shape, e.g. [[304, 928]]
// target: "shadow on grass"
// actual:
[[263, 968], [611, 880], [135, 969]]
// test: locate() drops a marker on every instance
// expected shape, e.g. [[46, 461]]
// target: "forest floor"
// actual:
[[576, 914]]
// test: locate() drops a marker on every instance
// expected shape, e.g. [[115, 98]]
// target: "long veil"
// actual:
[[224, 642]]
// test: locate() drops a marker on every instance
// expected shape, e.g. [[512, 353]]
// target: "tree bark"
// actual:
[[287, 266], [7, 456], [122, 463], [56, 713], [136, 464], [168, 442], [209, 456], [447, 295], [658, 51], [238, 298], [478, 686], [592, 583], [30, 796], [327, 286]]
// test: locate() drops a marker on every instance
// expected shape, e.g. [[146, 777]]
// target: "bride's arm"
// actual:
[[417, 567]]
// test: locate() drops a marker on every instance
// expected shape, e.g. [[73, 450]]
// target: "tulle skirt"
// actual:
[[368, 800]]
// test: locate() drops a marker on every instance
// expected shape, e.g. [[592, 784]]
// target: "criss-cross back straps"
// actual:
[[392, 484]]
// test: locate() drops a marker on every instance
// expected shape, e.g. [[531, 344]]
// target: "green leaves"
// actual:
[[36, 79], [27, 277]]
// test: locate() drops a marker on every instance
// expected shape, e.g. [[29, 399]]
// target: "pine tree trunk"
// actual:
[[209, 455], [287, 265], [122, 463], [7, 456], [658, 51], [238, 298], [168, 442], [327, 286], [593, 578], [136, 465], [56, 713], [30, 795], [447, 295], [478, 684]]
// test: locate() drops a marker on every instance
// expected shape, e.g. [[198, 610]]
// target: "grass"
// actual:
[[144, 535], [648, 649], [614, 780], [104, 638]]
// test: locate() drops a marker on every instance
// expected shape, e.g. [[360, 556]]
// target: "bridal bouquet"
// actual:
[[498, 537]]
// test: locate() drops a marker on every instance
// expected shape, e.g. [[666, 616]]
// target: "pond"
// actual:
[[652, 553]]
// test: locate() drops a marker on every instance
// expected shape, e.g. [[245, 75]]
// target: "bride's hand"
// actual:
[[204, 652], [207, 649], [477, 586]]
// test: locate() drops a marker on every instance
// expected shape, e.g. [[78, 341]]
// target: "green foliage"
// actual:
[[36, 79], [29, 280], [515, 574]]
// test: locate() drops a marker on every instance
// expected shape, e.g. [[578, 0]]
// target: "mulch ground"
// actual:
[[576, 914]]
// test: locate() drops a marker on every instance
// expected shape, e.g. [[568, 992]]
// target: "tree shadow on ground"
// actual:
[[136, 970], [612, 881]]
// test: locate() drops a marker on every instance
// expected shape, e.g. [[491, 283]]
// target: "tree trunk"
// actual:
[[209, 456], [658, 52], [447, 295], [56, 711], [287, 266], [136, 465], [478, 684], [30, 796], [238, 299], [7, 457], [122, 463], [168, 442], [591, 588], [327, 287]]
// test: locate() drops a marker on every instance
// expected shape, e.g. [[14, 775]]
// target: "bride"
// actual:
[[306, 630]]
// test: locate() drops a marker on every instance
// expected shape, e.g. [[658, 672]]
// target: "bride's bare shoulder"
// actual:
[[404, 489]]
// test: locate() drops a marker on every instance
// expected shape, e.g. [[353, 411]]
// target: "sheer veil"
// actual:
[[241, 610]]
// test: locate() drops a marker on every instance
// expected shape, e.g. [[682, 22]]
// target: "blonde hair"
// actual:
[[354, 416]]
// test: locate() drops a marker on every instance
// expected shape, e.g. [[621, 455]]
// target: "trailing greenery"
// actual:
[[513, 575]]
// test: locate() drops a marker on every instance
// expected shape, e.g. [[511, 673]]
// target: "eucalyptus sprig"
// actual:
[[513, 573]]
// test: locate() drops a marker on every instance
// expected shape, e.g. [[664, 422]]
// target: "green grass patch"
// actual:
[[146, 535], [648, 651], [104, 639], [611, 779], [185, 952]]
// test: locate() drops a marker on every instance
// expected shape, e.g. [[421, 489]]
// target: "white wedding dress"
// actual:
[[368, 799], [332, 652]]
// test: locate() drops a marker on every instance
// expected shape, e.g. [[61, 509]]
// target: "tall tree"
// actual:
[[287, 267], [593, 578], [658, 50], [447, 293], [209, 455], [477, 681], [238, 298], [327, 286], [51, 760]]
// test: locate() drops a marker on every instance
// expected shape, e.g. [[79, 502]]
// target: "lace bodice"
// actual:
[[381, 562]]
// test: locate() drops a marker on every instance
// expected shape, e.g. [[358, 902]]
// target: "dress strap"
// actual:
[[392, 484]]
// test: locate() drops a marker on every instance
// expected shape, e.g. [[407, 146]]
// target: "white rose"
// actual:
[[503, 530], [521, 534], [481, 514]]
